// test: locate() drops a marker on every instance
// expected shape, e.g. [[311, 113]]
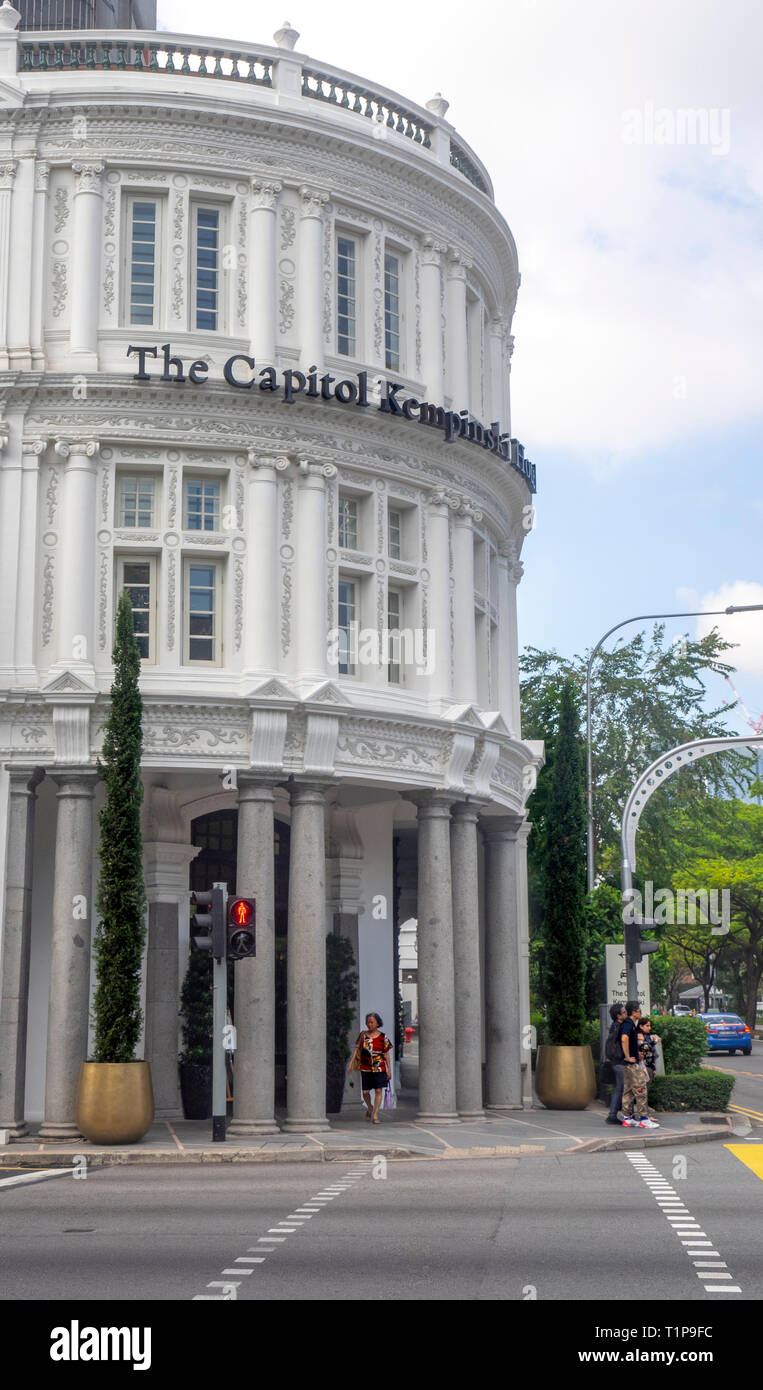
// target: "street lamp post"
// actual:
[[642, 618]]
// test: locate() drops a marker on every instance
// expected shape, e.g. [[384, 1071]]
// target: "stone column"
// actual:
[[262, 271], [69, 1001], [166, 869], [7, 175], [254, 1090], [431, 319], [14, 962], [306, 964], [310, 272], [41, 177], [496, 387], [502, 1002], [262, 611], [11, 475], [20, 265], [508, 574], [436, 987], [26, 671], [86, 262], [465, 663], [76, 584], [438, 553], [523, 924], [466, 959], [457, 356], [310, 570]]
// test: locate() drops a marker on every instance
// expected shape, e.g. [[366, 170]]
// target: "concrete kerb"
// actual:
[[715, 1128]]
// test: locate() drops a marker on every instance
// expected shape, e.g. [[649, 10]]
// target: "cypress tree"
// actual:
[[563, 925], [121, 899]]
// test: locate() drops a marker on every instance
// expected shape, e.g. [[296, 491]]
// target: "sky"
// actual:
[[637, 377]]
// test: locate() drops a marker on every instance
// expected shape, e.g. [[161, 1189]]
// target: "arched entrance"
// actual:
[[217, 836]]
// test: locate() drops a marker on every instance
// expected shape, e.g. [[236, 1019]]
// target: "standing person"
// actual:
[[634, 1089], [373, 1048], [613, 1053], [651, 1047]]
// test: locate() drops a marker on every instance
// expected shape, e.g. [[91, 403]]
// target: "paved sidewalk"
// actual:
[[516, 1134]]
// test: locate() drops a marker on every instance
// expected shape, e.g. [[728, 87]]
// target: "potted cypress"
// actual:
[[196, 1058], [564, 1077], [115, 1102], [341, 993]]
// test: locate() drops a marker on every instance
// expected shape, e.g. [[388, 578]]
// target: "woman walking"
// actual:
[[372, 1050]]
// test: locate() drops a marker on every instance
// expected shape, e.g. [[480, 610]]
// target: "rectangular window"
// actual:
[[136, 502], [346, 308], [137, 577], [202, 504], [394, 529], [207, 268], [143, 269], [393, 624], [346, 618], [348, 523], [392, 311], [202, 619]]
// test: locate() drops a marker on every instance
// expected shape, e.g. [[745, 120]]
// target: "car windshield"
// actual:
[[723, 1018]]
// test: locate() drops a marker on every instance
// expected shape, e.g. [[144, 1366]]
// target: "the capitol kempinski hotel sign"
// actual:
[[255, 352]]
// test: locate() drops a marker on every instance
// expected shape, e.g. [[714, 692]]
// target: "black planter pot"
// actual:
[[196, 1090], [335, 1078]]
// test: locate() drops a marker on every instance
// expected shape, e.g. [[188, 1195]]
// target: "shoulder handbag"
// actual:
[[355, 1058]]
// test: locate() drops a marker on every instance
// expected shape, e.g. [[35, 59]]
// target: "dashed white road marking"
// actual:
[[277, 1235], [692, 1237]]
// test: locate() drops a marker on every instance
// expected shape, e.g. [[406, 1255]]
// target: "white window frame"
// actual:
[[344, 500], [353, 584], [393, 510], [348, 234], [140, 479], [394, 252], [394, 668], [151, 561], [203, 478], [189, 561], [207, 205], [157, 317]]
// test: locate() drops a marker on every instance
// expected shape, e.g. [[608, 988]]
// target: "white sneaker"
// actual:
[[630, 1124], [650, 1124]]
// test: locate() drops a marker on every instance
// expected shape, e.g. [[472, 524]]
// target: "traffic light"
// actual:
[[241, 928], [208, 928], [635, 945]]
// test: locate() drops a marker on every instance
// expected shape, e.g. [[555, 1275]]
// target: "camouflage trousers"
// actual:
[[634, 1090]]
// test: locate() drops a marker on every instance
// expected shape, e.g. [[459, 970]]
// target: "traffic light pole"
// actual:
[[685, 755], [219, 1005]]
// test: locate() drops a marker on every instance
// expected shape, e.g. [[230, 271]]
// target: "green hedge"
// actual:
[[694, 1090], [684, 1043]]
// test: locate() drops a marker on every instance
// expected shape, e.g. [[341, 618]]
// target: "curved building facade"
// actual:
[[255, 340]]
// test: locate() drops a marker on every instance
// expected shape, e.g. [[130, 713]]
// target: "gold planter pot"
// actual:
[[115, 1101], [564, 1077]]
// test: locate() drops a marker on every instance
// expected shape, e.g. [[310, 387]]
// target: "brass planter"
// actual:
[[564, 1077], [115, 1102]]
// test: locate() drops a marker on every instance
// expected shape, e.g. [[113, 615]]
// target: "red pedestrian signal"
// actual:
[[241, 928]]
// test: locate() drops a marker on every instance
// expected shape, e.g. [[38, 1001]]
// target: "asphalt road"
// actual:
[[748, 1091], [513, 1229]]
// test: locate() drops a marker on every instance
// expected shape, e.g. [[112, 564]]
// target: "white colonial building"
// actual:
[[255, 338]]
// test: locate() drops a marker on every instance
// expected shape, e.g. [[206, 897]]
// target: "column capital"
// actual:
[[313, 201], [24, 777], [87, 448], [88, 175], [8, 169], [467, 811], [431, 805], [256, 461], [75, 780], [432, 251], [32, 448], [458, 264], [321, 471], [257, 786], [499, 829], [41, 176], [264, 194], [308, 792]]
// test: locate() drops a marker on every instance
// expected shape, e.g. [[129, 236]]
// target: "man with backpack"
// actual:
[[613, 1053]]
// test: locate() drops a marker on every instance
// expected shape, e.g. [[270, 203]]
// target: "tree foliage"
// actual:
[[120, 899]]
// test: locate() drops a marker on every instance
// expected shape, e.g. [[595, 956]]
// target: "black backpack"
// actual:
[[613, 1052]]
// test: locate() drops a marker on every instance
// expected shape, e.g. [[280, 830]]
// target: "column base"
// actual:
[[51, 1133], [17, 1129], [169, 1112], [471, 1115], [446, 1117], [499, 1109], [247, 1129], [305, 1126]]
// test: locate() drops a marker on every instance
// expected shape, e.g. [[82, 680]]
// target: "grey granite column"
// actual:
[[255, 1019], [306, 964], [17, 926], [70, 951], [502, 1005], [162, 1004], [466, 960], [437, 1023]]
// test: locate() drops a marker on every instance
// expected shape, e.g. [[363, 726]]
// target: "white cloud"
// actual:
[[746, 629]]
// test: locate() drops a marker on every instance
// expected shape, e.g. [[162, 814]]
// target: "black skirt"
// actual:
[[373, 1080]]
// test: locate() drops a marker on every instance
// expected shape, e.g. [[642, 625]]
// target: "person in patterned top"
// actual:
[[372, 1050]]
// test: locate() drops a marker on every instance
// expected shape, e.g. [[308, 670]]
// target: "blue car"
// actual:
[[727, 1033]]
